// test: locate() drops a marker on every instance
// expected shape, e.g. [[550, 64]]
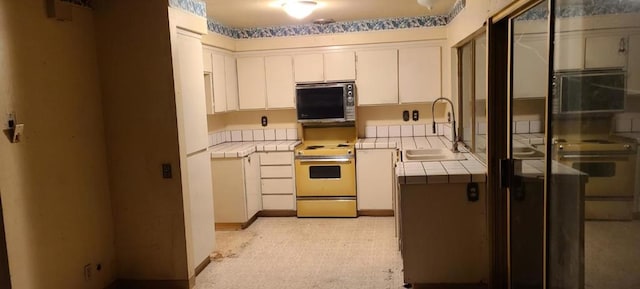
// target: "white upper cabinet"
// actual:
[[309, 67], [569, 52], [192, 92], [206, 60], [219, 83], [319, 67], [279, 81], [419, 74], [530, 67], [340, 66], [481, 68], [251, 82], [605, 51], [377, 81], [231, 77], [633, 68]]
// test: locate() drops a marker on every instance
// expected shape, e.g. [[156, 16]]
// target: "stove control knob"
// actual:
[[349, 151], [627, 147], [561, 147], [300, 152]]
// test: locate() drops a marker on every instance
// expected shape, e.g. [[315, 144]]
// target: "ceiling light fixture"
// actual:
[[299, 9], [426, 3]]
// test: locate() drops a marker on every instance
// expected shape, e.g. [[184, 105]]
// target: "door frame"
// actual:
[[499, 108], [5, 277]]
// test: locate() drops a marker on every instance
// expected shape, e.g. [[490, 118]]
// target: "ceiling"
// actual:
[[264, 13]]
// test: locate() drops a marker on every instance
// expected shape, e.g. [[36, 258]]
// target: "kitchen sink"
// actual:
[[432, 155], [526, 153]]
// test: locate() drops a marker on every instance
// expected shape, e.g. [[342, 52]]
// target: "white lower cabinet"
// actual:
[[236, 189], [277, 181], [374, 179]]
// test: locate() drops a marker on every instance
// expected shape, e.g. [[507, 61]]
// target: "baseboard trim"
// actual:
[[152, 284], [202, 265], [236, 226], [450, 286], [376, 213], [277, 213]]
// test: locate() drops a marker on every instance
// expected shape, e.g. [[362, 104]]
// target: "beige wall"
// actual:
[[141, 129], [54, 184]]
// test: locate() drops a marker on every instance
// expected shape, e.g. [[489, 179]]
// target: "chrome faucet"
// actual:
[[454, 144]]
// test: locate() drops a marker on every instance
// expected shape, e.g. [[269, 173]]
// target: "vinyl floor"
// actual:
[[278, 253]]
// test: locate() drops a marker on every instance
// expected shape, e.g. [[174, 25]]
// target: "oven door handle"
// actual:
[[310, 161], [578, 156]]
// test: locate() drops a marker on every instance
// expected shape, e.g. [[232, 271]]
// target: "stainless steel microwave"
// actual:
[[326, 102], [589, 91]]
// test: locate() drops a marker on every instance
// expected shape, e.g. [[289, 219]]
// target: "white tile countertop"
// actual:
[[242, 149], [435, 172]]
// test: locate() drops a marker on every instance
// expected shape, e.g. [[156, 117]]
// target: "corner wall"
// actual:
[[54, 184], [141, 128]]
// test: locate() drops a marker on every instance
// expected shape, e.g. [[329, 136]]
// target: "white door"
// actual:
[[231, 75], [219, 83], [201, 203], [340, 66], [191, 94], [280, 84], [419, 74], [377, 81], [252, 91], [252, 181], [374, 172]]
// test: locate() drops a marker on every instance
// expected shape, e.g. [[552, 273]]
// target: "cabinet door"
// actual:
[[219, 83], [231, 76], [280, 85], [308, 67], [633, 69], [569, 52], [530, 69], [201, 206], [377, 81], [420, 74], [374, 170], [208, 92], [605, 51], [481, 68], [252, 181], [251, 83], [206, 60], [191, 92], [340, 66]]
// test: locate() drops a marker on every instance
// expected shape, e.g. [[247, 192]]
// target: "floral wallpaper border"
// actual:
[[83, 3], [591, 8], [196, 7], [456, 9]]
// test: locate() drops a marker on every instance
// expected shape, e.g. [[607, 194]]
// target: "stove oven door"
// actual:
[[608, 172], [325, 176]]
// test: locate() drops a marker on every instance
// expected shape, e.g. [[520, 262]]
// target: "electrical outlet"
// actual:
[[405, 115], [416, 115], [166, 171], [264, 121], [87, 272]]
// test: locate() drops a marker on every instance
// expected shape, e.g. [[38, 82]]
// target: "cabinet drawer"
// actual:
[[278, 202], [276, 171], [276, 158], [277, 186]]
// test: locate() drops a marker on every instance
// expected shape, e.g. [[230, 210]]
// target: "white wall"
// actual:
[[54, 184]]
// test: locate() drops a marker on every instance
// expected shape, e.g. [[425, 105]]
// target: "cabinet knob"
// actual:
[[622, 45]]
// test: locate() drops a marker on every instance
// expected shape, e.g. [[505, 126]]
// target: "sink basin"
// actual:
[[526, 153], [432, 155]]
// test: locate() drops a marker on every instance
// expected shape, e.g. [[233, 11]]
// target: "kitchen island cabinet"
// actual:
[[236, 191], [444, 236]]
